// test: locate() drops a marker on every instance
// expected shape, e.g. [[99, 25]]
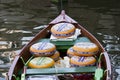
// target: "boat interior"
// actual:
[[72, 73]]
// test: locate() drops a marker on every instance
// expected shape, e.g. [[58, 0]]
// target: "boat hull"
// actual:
[[25, 54]]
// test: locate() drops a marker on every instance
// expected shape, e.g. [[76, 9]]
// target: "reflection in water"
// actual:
[[20, 22]]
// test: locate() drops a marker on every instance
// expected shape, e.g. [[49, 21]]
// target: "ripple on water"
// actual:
[[118, 71], [1, 62], [108, 17], [115, 60], [114, 12], [113, 37], [112, 47], [3, 6]]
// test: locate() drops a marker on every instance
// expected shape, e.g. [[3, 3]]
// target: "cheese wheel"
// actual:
[[85, 48], [43, 49], [82, 61], [56, 56], [41, 62], [70, 52], [63, 30]]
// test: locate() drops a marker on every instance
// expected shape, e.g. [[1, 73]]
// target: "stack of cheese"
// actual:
[[81, 54], [45, 55]]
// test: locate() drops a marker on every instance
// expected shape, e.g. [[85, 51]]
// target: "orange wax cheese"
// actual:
[[85, 48], [41, 62]]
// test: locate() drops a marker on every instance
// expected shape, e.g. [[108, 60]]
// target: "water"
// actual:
[[20, 20]]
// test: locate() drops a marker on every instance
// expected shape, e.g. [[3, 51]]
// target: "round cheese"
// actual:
[[70, 52], [85, 48], [82, 61], [43, 49], [63, 30], [41, 62], [56, 56]]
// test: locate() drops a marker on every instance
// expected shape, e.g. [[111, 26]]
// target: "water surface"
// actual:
[[20, 20]]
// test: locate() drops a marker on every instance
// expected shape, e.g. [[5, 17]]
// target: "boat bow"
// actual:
[[63, 18]]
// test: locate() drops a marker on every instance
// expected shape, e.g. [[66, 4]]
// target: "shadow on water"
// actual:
[[20, 20]]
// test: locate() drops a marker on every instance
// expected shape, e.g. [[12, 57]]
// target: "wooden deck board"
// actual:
[[50, 71]]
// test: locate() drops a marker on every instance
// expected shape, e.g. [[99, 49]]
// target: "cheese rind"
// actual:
[[41, 62]]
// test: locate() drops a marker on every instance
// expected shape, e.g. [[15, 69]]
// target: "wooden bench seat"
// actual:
[[65, 44], [50, 71]]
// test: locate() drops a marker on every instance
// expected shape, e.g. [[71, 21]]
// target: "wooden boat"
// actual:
[[17, 66]]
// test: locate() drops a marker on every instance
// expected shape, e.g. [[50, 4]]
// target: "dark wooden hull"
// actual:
[[17, 63]]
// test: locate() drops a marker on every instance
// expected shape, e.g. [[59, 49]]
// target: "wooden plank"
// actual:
[[64, 45], [49, 71]]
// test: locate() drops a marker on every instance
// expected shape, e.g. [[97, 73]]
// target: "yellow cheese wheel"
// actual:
[[56, 56], [63, 30], [70, 52], [41, 62], [43, 49], [85, 48], [82, 61]]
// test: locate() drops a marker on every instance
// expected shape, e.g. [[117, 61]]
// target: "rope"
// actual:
[[61, 5]]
